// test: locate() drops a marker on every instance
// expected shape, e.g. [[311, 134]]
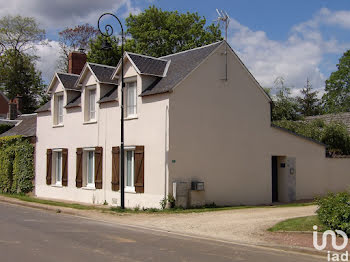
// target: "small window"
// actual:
[[89, 168], [57, 175], [129, 171], [59, 110], [92, 104], [131, 99]]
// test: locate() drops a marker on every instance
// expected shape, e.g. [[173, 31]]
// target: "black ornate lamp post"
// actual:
[[106, 45]]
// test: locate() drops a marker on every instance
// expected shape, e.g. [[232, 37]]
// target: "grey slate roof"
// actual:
[[8, 122], [75, 102], [103, 73], [341, 117], [68, 80], [25, 127], [111, 96], [149, 65], [44, 108], [180, 66]]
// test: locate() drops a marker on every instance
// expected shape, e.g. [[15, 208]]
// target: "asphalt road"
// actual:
[[28, 234]]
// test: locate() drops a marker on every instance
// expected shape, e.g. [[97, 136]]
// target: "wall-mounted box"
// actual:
[[198, 186]]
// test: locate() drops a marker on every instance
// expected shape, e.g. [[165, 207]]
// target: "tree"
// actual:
[[20, 33], [309, 104], [285, 107], [72, 39], [18, 76], [107, 57], [157, 33], [337, 96]]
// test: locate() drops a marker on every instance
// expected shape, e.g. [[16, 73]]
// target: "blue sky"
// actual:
[[293, 39]]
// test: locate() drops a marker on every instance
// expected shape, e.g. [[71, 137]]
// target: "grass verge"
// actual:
[[209, 208], [298, 224]]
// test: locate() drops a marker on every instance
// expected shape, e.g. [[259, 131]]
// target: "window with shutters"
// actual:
[[131, 99], [129, 169], [57, 167], [58, 109], [89, 168]]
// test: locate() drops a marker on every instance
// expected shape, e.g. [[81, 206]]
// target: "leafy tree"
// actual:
[[72, 39], [20, 33], [285, 107], [107, 57], [309, 103], [337, 96], [18, 76], [157, 33]]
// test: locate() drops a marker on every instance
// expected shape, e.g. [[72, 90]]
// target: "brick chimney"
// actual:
[[76, 62], [19, 101], [13, 113]]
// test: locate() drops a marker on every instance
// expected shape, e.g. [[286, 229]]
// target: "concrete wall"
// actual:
[[148, 129], [220, 134]]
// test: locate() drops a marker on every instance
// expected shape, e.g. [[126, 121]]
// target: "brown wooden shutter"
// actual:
[[98, 167], [64, 167], [139, 169], [79, 168], [48, 166], [115, 168]]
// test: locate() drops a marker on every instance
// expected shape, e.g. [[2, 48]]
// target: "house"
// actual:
[[189, 131], [24, 125]]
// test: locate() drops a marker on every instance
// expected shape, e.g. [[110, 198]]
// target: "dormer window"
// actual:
[[92, 103], [58, 119], [131, 99]]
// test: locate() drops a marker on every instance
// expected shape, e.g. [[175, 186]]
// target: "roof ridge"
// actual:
[[147, 56], [90, 63], [196, 48]]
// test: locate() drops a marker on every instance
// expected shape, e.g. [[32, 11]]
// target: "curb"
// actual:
[[81, 213]]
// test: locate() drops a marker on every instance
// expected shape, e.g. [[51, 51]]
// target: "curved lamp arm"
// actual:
[[108, 30]]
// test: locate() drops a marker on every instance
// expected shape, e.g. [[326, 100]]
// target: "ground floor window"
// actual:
[[89, 174], [129, 169], [57, 167]]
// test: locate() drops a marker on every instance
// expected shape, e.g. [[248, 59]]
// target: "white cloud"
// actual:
[[65, 13], [295, 59], [47, 63]]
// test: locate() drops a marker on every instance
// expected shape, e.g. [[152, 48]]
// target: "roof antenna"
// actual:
[[224, 17]]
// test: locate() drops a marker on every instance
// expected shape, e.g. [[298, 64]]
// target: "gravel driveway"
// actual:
[[240, 225]]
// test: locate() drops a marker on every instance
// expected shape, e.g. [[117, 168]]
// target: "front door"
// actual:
[[274, 179]]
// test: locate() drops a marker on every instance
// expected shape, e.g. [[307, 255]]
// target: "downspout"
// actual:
[[166, 169]]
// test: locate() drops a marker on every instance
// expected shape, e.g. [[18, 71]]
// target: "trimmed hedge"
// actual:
[[334, 211], [16, 165]]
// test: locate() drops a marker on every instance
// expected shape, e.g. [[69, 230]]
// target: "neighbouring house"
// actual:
[[189, 131], [24, 125], [4, 107], [328, 118]]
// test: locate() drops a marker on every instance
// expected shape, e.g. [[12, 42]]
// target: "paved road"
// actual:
[[34, 235]]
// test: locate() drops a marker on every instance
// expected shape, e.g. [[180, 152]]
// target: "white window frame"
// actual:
[[126, 99], [92, 104], [86, 171], [56, 152], [59, 109], [131, 188]]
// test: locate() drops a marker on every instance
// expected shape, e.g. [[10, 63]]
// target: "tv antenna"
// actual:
[[224, 18]]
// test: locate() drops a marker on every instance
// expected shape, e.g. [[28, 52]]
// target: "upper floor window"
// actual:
[[92, 104], [131, 99], [58, 109]]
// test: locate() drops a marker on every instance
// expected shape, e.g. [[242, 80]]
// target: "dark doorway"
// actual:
[[274, 179]]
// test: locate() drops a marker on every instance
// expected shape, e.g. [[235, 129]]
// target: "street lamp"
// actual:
[[106, 45]]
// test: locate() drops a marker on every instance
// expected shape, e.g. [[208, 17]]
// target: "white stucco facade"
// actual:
[[206, 129]]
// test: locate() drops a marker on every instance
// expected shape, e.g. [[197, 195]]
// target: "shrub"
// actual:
[[16, 165], [334, 211], [4, 128]]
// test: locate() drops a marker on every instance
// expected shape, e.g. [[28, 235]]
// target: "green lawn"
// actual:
[[298, 224], [209, 208]]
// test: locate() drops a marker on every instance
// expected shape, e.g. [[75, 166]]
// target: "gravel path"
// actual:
[[240, 225]]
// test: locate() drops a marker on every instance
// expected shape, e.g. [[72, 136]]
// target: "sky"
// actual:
[[296, 39]]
